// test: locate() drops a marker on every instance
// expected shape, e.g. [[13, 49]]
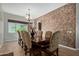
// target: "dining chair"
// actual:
[[53, 48], [19, 38], [46, 42], [48, 35], [27, 42], [23, 41], [38, 36]]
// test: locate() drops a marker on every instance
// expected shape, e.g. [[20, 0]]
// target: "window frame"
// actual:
[[15, 22]]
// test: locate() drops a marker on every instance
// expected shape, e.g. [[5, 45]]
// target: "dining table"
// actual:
[[40, 44]]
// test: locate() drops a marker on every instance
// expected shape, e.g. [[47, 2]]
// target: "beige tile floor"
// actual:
[[12, 47], [67, 51], [18, 51]]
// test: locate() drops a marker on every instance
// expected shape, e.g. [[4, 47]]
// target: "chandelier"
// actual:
[[28, 19], [28, 15]]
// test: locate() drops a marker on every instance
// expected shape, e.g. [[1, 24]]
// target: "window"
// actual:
[[11, 27], [21, 27], [15, 26]]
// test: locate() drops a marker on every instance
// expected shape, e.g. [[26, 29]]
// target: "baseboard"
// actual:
[[11, 40], [67, 47]]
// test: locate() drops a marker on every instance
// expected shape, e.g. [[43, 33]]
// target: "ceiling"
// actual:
[[36, 9]]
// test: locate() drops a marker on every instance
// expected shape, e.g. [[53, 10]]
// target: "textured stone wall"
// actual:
[[64, 20]]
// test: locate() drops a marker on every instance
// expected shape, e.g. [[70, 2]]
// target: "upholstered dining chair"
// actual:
[[19, 38], [48, 35], [38, 36], [27, 42], [54, 44], [46, 42], [23, 41]]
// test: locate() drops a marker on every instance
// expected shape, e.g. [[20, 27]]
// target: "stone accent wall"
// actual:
[[62, 19]]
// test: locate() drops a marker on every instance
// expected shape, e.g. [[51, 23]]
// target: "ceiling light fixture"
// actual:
[[28, 15]]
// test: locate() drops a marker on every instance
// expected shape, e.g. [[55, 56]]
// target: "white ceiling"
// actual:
[[36, 9]]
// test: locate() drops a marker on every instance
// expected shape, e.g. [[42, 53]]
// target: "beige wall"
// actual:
[[64, 19], [4, 16], [1, 27], [77, 25], [10, 36]]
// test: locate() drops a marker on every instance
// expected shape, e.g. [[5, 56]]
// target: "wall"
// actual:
[[77, 25], [4, 16], [1, 27], [62, 19], [10, 36]]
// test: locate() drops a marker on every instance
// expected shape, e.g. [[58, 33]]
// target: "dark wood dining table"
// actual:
[[41, 44]]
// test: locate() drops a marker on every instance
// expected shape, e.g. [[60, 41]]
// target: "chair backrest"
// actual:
[[54, 40], [26, 39], [39, 35], [22, 35], [19, 34], [48, 35]]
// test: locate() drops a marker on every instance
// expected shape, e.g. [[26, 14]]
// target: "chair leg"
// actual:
[[31, 51], [40, 52], [25, 48], [25, 53], [22, 44], [18, 42], [28, 52], [57, 51]]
